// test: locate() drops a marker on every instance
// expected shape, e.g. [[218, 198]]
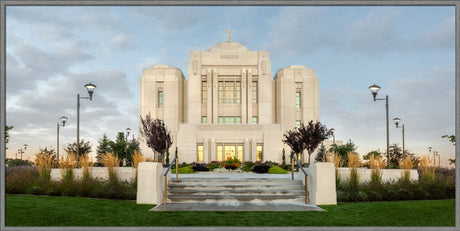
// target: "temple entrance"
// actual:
[[229, 151]]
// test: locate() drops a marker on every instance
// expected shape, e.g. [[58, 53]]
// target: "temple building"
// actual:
[[229, 105]]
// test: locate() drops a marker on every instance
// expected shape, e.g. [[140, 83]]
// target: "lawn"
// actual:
[[26, 210]]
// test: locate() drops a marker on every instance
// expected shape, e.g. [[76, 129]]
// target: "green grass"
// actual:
[[25, 210]]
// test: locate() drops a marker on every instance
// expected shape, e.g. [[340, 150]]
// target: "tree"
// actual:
[[85, 148], [396, 155], [119, 146], [371, 153], [156, 136], [103, 147], [133, 145], [320, 154], [294, 140], [312, 135], [7, 134], [451, 138], [343, 150]]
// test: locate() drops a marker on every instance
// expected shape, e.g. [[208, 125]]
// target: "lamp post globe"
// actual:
[[374, 90], [90, 87], [397, 120]]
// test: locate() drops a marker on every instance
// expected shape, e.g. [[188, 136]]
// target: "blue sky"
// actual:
[[409, 51]]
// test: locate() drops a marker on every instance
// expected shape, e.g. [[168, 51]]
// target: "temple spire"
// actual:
[[228, 34]]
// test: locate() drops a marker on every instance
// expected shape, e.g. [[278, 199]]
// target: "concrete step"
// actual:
[[247, 190], [236, 198]]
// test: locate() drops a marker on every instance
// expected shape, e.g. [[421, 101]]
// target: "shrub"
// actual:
[[183, 170], [137, 158], [276, 170], [232, 163], [214, 164], [86, 166], [261, 168], [200, 167], [247, 166]]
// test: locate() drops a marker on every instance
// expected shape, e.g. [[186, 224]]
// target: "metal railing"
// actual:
[[165, 178], [304, 172]]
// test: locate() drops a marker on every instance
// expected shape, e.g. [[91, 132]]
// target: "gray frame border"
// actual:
[[5, 3]]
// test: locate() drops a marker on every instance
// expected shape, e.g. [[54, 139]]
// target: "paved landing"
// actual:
[[236, 206]]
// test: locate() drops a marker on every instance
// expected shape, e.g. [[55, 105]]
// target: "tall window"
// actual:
[[229, 91], [298, 96], [204, 119], [221, 120], [160, 99], [255, 120], [204, 92], [200, 156], [259, 152], [254, 93], [220, 152], [297, 123], [238, 120]]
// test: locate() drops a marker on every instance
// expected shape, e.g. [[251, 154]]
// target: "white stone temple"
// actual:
[[229, 105]]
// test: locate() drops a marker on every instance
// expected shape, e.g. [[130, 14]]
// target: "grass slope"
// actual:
[[25, 210]]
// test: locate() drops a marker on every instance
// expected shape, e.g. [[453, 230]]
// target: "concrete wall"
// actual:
[[387, 175], [124, 173], [321, 183], [150, 183]]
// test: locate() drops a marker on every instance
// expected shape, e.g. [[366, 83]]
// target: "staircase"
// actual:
[[244, 190]]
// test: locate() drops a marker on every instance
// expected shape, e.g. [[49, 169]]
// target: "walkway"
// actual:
[[234, 206]]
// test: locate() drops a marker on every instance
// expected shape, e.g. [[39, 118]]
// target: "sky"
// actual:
[[409, 51]]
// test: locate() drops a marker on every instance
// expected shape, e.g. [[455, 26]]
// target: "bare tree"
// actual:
[[156, 135]]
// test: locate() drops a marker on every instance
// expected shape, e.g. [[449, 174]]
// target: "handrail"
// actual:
[[306, 175], [165, 179], [170, 165]]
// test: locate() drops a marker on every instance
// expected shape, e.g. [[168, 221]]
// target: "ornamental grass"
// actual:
[[353, 164], [111, 162], [87, 167], [376, 165], [426, 166], [43, 163], [407, 164], [137, 158], [67, 164]]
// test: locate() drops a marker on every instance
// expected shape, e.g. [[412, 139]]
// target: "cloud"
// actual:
[[440, 36], [123, 42]]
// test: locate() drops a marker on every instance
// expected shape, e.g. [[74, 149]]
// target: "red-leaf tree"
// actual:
[[156, 136]]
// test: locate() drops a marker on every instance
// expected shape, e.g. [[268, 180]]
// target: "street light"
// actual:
[[374, 90], [126, 147], [90, 87], [63, 119], [20, 151], [397, 120], [333, 135], [434, 158]]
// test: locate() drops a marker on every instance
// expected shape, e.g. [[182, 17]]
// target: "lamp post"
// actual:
[[333, 135], [126, 146], [434, 158], [90, 87], [20, 151], [397, 120], [63, 119], [374, 90]]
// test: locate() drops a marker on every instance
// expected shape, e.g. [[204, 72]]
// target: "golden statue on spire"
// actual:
[[228, 34]]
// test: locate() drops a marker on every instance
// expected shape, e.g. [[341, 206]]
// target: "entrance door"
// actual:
[[229, 151]]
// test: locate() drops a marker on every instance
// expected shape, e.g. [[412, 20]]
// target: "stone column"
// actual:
[[215, 82], [249, 98], [210, 99], [246, 150], [253, 150], [244, 118], [205, 150], [213, 149]]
